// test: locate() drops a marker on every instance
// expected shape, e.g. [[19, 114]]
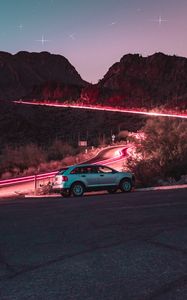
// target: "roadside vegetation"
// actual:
[[42, 139], [32, 159], [162, 154]]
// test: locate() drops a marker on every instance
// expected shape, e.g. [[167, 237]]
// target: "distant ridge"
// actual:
[[134, 81], [137, 81], [24, 72]]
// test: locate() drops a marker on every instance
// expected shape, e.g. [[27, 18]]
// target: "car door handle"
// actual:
[[83, 175], [102, 175]]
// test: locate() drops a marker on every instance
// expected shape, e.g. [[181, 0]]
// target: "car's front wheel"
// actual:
[[77, 189], [126, 185]]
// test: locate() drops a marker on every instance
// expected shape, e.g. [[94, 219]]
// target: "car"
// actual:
[[77, 179]]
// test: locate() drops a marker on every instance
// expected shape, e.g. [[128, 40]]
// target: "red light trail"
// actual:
[[110, 109]]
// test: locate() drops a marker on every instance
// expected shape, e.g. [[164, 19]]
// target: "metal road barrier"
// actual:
[[6, 182]]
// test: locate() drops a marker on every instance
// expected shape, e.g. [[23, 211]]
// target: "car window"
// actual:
[[84, 170], [103, 169], [76, 171], [93, 170], [87, 170]]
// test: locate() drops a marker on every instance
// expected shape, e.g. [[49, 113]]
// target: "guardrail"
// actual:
[[7, 182]]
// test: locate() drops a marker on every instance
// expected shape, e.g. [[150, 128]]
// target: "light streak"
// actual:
[[110, 109]]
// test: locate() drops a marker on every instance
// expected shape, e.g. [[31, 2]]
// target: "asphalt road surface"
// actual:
[[113, 247]]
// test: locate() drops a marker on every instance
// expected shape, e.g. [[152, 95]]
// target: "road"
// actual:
[[114, 247]]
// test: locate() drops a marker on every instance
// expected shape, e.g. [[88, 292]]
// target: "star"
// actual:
[[72, 36], [160, 20], [113, 24], [20, 27], [43, 41]]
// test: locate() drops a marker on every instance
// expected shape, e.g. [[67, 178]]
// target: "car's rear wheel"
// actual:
[[77, 189], [126, 185]]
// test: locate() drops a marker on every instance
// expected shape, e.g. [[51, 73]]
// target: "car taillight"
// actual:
[[64, 178]]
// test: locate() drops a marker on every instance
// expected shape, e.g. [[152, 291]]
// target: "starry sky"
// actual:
[[93, 35]]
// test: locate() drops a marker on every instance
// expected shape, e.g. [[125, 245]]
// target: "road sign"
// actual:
[[83, 143]]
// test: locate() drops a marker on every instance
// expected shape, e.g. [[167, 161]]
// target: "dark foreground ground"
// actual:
[[119, 247]]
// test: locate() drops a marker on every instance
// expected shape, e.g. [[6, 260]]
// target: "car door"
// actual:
[[107, 176], [90, 176]]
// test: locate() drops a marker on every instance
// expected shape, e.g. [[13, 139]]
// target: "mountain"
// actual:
[[134, 81], [137, 81], [37, 75]]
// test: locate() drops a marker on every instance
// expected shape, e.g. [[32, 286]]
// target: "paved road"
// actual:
[[108, 153], [113, 247]]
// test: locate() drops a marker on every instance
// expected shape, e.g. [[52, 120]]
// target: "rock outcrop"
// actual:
[[25, 74], [137, 81]]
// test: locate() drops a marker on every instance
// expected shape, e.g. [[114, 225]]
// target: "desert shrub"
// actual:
[[6, 175], [21, 158], [163, 153], [44, 189], [58, 150], [30, 171], [123, 135], [32, 159]]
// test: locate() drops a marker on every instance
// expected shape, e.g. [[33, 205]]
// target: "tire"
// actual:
[[112, 190], [126, 185], [77, 189]]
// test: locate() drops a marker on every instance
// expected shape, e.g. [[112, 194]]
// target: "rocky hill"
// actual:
[[134, 81], [137, 81], [36, 74]]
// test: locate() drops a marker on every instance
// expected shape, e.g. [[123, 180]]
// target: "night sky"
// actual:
[[93, 35]]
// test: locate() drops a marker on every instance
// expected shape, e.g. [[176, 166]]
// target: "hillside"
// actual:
[[33, 74], [137, 81], [134, 81], [24, 124]]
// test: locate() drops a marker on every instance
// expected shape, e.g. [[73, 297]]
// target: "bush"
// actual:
[[163, 153], [31, 159], [58, 150], [21, 158]]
